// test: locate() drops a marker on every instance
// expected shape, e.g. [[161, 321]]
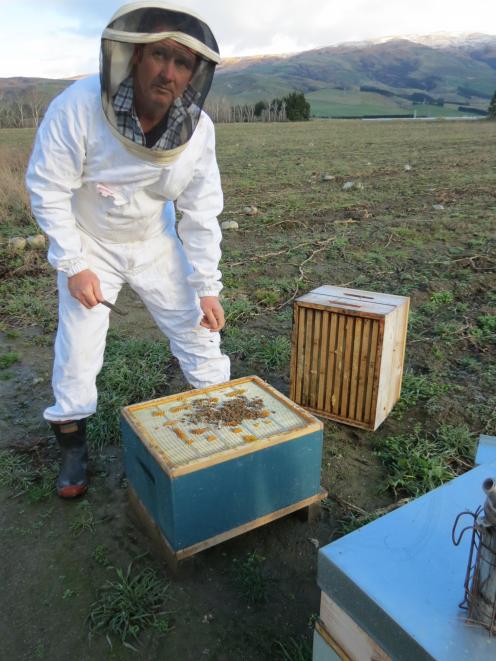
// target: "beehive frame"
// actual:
[[129, 413], [348, 351]]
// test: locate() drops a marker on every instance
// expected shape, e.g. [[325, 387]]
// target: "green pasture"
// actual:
[[427, 231], [352, 103]]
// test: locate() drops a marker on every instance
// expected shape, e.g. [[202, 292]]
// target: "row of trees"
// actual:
[[293, 107], [491, 111], [23, 109], [26, 109]]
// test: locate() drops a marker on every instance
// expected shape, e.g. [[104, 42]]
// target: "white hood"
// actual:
[[136, 24]]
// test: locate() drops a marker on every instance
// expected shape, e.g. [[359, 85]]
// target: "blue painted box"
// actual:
[[400, 579], [203, 479]]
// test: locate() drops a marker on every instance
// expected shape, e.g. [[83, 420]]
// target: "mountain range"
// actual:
[[385, 76], [439, 74]]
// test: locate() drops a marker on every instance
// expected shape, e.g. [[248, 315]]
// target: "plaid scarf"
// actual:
[[182, 116]]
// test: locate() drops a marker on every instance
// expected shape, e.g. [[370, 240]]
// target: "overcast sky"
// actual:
[[56, 39]]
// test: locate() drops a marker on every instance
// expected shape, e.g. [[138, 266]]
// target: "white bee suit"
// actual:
[[105, 208]]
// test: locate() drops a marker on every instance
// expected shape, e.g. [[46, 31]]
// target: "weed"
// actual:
[[44, 486], [469, 363], [100, 555], [448, 331], [352, 521], [312, 618], [8, 359], [438, 300], [484, 414], [438, 354], [294, 650], [14, 203], [270, 353], [485, 331], [273, 353], [250, 579], [39, 651], [266, 297], [133, 371], [128, 605], [68, 594], [415, 321], [417, 388], [419, 462], [284, 315], [19, 475], [84, 519], [239, 342], [30, 300], [237, 310]]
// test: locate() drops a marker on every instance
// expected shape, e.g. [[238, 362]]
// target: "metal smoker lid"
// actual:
[[182, 445]]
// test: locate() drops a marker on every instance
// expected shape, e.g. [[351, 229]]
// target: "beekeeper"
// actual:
[[110, 156]]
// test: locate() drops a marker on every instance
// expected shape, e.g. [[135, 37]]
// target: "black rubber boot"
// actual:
[[73, 479]]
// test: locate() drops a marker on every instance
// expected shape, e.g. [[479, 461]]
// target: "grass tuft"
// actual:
[[8, 359], [128, 605], [294, 650], [418, 462], [84, 519], [250, 579], [267, 352], [133, 371], [418, 388], [22, 476]]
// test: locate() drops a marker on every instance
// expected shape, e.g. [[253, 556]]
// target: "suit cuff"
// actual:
[[72, 266]]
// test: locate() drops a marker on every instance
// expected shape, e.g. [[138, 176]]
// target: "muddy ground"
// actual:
[[56, 556], [50, 576]]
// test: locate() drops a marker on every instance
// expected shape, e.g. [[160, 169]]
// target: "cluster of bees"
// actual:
[[230, 413]]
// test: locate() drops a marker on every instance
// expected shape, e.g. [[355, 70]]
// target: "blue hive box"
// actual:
[[391, 590], [201, 478]]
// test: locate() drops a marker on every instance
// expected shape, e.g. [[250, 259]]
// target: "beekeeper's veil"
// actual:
[[137, 24]]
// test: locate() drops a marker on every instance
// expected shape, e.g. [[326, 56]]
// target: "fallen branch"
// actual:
[[375, 513], [280, 222], [322, 247], [459, 259], [258, 258], [344, 503]]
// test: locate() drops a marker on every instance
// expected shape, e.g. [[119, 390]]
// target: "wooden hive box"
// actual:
[[391, 590], [348, 348], [201, 481]]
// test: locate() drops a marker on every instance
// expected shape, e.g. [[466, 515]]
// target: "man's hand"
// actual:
[[213, 314], [85, 287]]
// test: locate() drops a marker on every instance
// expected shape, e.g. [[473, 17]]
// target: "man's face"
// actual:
[[162, 71]]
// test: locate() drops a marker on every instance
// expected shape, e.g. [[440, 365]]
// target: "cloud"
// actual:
[[63, 38]]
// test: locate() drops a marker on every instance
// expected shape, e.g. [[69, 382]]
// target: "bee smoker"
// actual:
[[480, 579]]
